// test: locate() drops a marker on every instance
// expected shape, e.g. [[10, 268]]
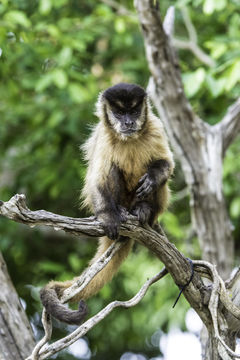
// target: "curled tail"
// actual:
[[51, 293]]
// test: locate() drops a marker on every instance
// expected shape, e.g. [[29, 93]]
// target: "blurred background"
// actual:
[[55, 57]]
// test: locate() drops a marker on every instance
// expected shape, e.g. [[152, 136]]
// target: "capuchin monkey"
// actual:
[[129, 164]]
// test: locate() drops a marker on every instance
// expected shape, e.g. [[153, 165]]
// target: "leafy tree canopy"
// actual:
[[55, 57]]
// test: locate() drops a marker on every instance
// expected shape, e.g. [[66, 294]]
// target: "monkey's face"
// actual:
[[126, 109]]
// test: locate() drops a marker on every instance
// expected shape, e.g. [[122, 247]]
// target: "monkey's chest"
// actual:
[[133, 161], [132, 170]]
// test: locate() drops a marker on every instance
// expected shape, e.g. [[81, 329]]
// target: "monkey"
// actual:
[[129, 165]]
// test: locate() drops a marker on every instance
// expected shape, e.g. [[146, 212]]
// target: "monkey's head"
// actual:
[[125, 109]]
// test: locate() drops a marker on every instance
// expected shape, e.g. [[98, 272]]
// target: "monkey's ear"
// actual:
[[99, 107]]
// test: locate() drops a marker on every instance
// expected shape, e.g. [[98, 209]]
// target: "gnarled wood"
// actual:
[[16, 337], [198, 146]]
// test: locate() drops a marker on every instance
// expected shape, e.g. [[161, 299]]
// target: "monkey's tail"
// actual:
[[51, 293], [55, 308], [107, 273]]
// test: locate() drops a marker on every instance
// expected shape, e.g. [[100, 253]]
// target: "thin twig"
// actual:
[[219, 290], [81, 282], [230, 125], [89, 324], [47, 325], [168, 23], [122, 10]]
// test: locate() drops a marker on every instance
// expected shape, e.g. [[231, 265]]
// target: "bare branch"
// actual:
[[168, 24], [17, 210], [189, 25], [230, 125], [122, 10], [89, 324], [47, 325], [195, 49], [190, 44], [89, 274], [177, 265], [219, 293], [166, 89], [235, 276]]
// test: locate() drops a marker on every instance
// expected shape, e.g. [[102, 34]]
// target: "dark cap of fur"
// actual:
[[55, 308], [124, 92]]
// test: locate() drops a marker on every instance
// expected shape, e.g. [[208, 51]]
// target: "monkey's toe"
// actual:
[[143, 213]]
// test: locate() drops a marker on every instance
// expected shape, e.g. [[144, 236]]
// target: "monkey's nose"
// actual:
[[128, 121]]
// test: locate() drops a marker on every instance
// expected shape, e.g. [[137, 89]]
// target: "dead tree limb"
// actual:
[[177, 264], [230, 125], [198, 146], [16, 336], [204, 300]]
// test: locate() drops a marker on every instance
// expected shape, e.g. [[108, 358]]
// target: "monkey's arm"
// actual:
[[157, 175], [106, 200]]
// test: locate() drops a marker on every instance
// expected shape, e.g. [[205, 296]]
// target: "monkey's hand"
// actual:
[[112, 221], [146, 186]]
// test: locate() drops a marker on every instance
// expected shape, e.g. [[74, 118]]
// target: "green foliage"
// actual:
[[55, 57]]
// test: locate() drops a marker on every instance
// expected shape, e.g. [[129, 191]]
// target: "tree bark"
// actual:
[[198, 146], [16, 336]]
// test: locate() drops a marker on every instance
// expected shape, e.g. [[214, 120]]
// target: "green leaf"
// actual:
[[43, 82], [17, 17], [235, 208], [215, 86], [45, 6], [120, 26], [74, 262], [208, 6], [65, 56], [60, 78], [193, 81], [78, 93], [233, 75]]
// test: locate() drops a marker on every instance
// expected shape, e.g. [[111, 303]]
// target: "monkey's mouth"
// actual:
[[128, 131]]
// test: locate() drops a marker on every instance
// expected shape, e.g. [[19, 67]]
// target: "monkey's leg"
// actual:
[[148, 210]]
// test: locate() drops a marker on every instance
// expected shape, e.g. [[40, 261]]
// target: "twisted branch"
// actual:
[[175, 263], [61, 344], [230, 125]]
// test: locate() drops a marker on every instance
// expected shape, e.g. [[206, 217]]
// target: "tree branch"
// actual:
[[168, 24], [90, 323], [195, 49], [192, 43], [167, 92], [122, 10], [177, 265], [230, 125], [219, 293]]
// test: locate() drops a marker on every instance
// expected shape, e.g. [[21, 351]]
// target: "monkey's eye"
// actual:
[[118, 111], [136, 110]]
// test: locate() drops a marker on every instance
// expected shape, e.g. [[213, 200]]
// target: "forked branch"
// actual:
[[230, 125], [197, 295]]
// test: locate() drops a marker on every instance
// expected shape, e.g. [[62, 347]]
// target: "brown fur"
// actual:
[[132, 156]]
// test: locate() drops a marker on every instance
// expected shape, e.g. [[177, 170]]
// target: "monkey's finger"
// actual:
[[144, 192], [143, 186], [143, 178], [111, 231]]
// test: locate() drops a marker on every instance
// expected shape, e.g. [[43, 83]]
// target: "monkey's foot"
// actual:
[[143, 212], [124, 214]]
